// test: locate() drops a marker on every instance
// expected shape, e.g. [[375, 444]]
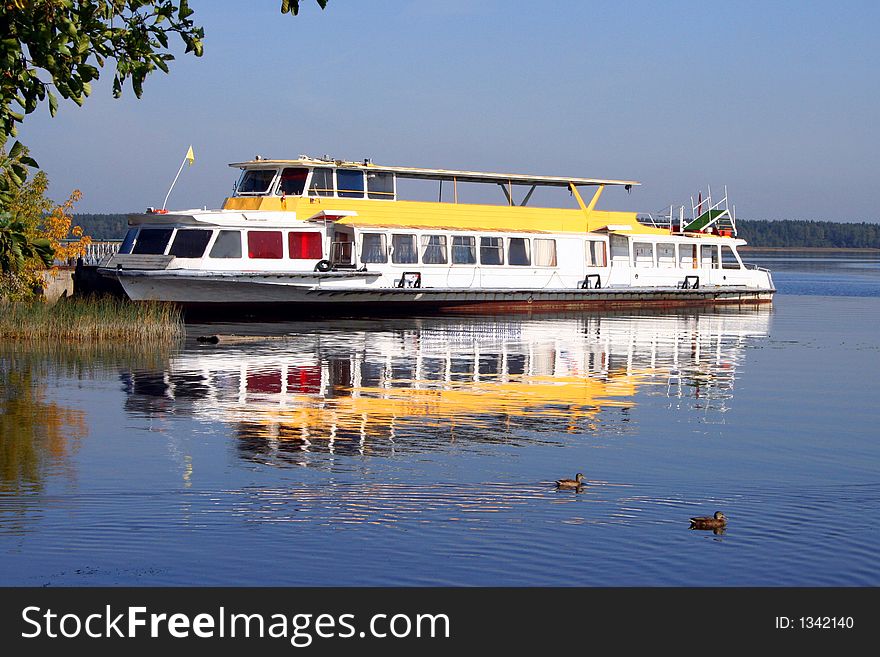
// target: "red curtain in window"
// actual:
[[264, 244], [305, 246]]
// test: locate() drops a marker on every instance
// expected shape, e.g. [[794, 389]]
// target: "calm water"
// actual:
[[423, 451]]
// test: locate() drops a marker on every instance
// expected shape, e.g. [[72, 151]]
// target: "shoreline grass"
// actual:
[[91, 320]]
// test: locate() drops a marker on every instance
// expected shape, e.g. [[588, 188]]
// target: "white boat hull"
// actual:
[[351, 291]]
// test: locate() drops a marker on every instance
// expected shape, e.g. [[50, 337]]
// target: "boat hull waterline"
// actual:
[[205, 293]]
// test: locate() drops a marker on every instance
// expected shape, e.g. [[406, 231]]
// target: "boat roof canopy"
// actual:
[[434, 174]]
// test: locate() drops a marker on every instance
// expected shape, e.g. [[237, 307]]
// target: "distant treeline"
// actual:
[[102, 226], [790, 233], [795, 233]]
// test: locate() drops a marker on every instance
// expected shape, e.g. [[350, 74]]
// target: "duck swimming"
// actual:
[[577, 482], [709, 522]]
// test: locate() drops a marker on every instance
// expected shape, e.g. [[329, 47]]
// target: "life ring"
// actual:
[[323, 265]]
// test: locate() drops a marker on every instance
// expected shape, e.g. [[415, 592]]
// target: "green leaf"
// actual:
[[88, 72], [292, 6], [53, 104], [137, 83]]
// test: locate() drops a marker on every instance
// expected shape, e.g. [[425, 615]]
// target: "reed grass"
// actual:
[[91, 320]]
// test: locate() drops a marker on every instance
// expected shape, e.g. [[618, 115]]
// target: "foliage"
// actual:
[[68, 42], [17, 248], [44, 219], [13, 171], [20, 259], [33, 233], [801, 233]]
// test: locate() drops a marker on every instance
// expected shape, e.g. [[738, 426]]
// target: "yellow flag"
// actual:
[[190, 157]]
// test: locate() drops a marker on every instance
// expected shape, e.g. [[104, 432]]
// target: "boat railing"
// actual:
[[720, 214], [658, 221]]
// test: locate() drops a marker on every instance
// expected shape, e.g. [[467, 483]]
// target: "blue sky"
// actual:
[[777, 100]]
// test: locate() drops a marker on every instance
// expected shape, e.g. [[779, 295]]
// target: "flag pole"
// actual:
[[187, 158]]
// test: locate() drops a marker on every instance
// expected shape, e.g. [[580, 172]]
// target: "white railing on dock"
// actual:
[[96, 251]]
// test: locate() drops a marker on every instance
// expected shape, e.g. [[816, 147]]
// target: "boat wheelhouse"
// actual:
[[320, 235]]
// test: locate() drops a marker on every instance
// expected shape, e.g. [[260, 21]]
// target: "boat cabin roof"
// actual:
[[433, 174]]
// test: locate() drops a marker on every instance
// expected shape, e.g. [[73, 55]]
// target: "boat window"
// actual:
[[434, 249], [152, 241], [729, 259], [265, 244], [322, 182], [709, 256], [687, 256], [373, 248], [293, 181], [491, 251], [464, 250], [256, 181], [619, 250], [305, 245], [644, 254], [403, 249], [380, 185], [666, 256], [595, 253], [518, 251], [190, 243], [350, 183], [128, 242], [545, 253], [227, 245]]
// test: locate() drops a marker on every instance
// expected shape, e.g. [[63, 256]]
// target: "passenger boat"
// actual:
[[317, 235]]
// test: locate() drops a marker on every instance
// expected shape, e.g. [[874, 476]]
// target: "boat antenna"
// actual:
[[189, 157]]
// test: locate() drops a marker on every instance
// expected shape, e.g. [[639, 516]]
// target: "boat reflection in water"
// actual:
[[379, 388]]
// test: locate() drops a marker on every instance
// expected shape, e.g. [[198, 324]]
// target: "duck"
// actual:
[[716, 521], [577, 482]]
